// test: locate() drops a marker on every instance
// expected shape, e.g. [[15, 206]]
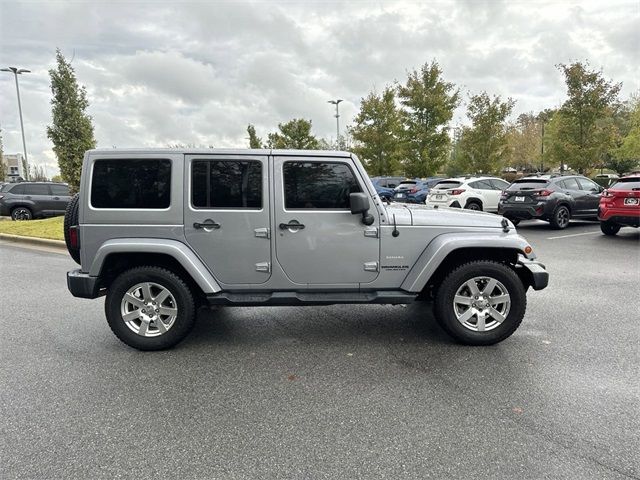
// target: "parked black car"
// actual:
[[554, 198], [27, 200]]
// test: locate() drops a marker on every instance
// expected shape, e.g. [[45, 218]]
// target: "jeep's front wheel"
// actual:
[[480, 303], [149, 308]]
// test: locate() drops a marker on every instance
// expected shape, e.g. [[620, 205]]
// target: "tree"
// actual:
[[294, 134], [377, 131], [585, 131], [524, 141], [71, 130], [484, 144], [254, 140], [627, 156], [37, 174], [57, 178], [429, 103], [3, 167]]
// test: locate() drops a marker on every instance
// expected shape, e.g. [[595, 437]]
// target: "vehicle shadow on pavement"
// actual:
[[335, 324]]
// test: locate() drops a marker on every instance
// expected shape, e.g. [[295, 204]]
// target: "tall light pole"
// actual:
[[337, 115], [19, 71]]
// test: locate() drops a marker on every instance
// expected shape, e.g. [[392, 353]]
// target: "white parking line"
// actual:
[[573, 235]]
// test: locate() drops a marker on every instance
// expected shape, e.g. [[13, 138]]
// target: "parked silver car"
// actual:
[[158, 231]]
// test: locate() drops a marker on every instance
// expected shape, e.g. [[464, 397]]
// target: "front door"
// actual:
[[590, 200], [318, 240], [226, 219]]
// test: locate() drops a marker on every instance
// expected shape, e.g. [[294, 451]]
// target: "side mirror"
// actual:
[[360, 204]]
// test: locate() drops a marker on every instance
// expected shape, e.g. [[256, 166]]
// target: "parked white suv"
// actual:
[[473, 193]]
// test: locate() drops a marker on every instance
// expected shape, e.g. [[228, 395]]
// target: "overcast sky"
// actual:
[[198, 72]]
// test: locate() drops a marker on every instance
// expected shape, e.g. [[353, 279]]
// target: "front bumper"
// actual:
[[82, 285], [534, 273]]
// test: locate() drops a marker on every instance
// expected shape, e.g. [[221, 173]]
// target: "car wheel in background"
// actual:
[[560, 218], [480, 303], [473, 206], [71, 220], [149, 308], [21, 213], [609, 228]]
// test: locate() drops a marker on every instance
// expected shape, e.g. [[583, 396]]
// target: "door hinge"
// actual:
[[263, 267], [371, 232], [262, 232], [371, 266]]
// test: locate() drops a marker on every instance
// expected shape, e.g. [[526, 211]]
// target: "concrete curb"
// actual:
[[42, 242]]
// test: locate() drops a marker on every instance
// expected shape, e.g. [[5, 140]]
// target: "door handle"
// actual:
[[206, 224], [56, 198], [28, 197], [293, 224]]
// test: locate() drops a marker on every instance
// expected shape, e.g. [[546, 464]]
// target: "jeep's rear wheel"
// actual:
[[71, 220], [150, 308], [480, 303]]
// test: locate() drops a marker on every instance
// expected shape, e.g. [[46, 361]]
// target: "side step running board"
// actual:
[[310, 298]]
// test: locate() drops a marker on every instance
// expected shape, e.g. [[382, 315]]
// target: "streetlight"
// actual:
[[337, 115], [19, 71]]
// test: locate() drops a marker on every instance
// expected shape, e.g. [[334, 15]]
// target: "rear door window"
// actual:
[[36, 189], [481, 185], [226, 184], [318, 185], [131, 184]]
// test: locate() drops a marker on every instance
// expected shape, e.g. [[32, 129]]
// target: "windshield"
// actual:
[[528, 184], [632, 183], [446, 185]]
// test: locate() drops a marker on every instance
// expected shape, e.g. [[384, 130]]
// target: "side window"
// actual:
[[61, 190], [318, 185], [17, 190], [588, 185], [36, 189], [571, 184], [499, 184], [226, 184], [139, 183], [481, 185]]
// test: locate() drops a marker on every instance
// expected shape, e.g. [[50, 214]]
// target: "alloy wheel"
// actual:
[[149, 309], [481, 304]]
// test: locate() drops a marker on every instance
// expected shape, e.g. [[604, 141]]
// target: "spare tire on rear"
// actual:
[[71, 220]]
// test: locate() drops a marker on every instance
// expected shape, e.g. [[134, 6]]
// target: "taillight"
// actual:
[[605, 194], [457, 191], [74, 238], [504, 195], [544, 193]]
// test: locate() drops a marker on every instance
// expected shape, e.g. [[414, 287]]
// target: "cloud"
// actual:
[[199, 72]]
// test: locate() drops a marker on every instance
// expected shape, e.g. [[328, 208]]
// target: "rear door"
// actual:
[[226, 218], [490, 196], [318, 240], [60, 197], [40, 195]]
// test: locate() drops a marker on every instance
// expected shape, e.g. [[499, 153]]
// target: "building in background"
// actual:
[[15, 167]]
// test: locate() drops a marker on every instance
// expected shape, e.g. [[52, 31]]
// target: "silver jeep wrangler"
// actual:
[[163, 231]]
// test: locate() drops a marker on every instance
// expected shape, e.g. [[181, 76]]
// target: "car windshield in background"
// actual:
[[528, 184], [626, 184], [447, 185], [407, 184]]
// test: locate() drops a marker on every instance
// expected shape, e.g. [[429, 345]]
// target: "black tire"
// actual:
[[168, 280], [444, 303], [473, 205], [71, 220], [609, 228], [21, 213], [561, 217]]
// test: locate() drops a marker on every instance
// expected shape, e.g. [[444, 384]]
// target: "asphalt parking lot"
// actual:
[[329, 392]]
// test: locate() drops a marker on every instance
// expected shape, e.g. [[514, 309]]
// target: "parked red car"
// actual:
[[620, 205]]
